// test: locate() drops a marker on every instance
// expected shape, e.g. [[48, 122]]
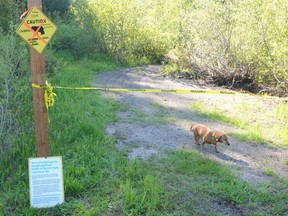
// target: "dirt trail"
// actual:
[[155, 122]]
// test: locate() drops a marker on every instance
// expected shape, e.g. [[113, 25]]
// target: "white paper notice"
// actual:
[[46, 182]]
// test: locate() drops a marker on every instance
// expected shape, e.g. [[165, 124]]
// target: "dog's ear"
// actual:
[[218, 136], [222, 137]]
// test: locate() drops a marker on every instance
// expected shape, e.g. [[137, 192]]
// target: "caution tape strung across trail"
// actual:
[[49, 95]]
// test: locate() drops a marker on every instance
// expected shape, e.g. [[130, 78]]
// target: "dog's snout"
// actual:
[[227, 143]]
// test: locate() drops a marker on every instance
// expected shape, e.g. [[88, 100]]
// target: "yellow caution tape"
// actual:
[[49, 95], [196, 91]]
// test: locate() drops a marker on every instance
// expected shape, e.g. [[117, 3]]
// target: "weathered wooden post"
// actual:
[[36, 29], [40, 111]]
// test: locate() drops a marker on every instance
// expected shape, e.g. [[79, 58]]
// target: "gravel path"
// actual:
[[152, 123]]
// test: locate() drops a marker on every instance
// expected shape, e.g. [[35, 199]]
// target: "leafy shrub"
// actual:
[[53, 6], [14, 87], [74, 39], [10, 12], [234, 42], [121, 29]]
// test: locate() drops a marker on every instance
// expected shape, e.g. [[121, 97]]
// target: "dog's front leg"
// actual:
[[196, 138], [202, 145]]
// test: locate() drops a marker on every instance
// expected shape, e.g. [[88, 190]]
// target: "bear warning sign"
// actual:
[[36, 29]]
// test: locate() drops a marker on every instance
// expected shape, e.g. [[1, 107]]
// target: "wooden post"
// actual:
[[40, 112]]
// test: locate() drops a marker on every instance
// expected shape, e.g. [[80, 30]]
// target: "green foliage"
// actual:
[[241, 44], [233, 38], [123, 29], [10, 12], [75, 39], [267, 38], [14, 90], [53, 6], [236, 43], [142, 196]]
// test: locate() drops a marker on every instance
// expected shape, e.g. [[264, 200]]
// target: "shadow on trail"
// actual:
[[225, 157]]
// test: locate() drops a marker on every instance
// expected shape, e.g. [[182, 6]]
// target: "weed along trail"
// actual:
[[153, 123]]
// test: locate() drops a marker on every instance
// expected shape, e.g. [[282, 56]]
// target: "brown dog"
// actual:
[[208, 136]]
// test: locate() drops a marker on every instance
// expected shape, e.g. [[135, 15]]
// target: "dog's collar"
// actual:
[[214, 137]]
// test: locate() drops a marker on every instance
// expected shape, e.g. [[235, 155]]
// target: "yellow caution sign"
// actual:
[[36, 29]]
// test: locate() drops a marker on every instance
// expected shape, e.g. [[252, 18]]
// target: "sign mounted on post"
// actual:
[[46, 182], [37, 29]]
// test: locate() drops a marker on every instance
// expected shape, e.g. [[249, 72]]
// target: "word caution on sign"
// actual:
[[36, 29]]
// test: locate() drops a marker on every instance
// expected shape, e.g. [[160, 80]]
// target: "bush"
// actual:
[[122, 29], [10, 12], [16, 88], [53, 6], [75, 39], [234, 43]]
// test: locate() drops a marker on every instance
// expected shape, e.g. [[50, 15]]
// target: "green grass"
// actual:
[[214, 114], [252, 133], [281, 111], [257, 124], [195, 183], [100, 180]]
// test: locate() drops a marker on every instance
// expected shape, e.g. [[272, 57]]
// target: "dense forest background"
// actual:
[[240, 44]]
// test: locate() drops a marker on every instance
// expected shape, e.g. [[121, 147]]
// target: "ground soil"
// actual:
[[139, 132]]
